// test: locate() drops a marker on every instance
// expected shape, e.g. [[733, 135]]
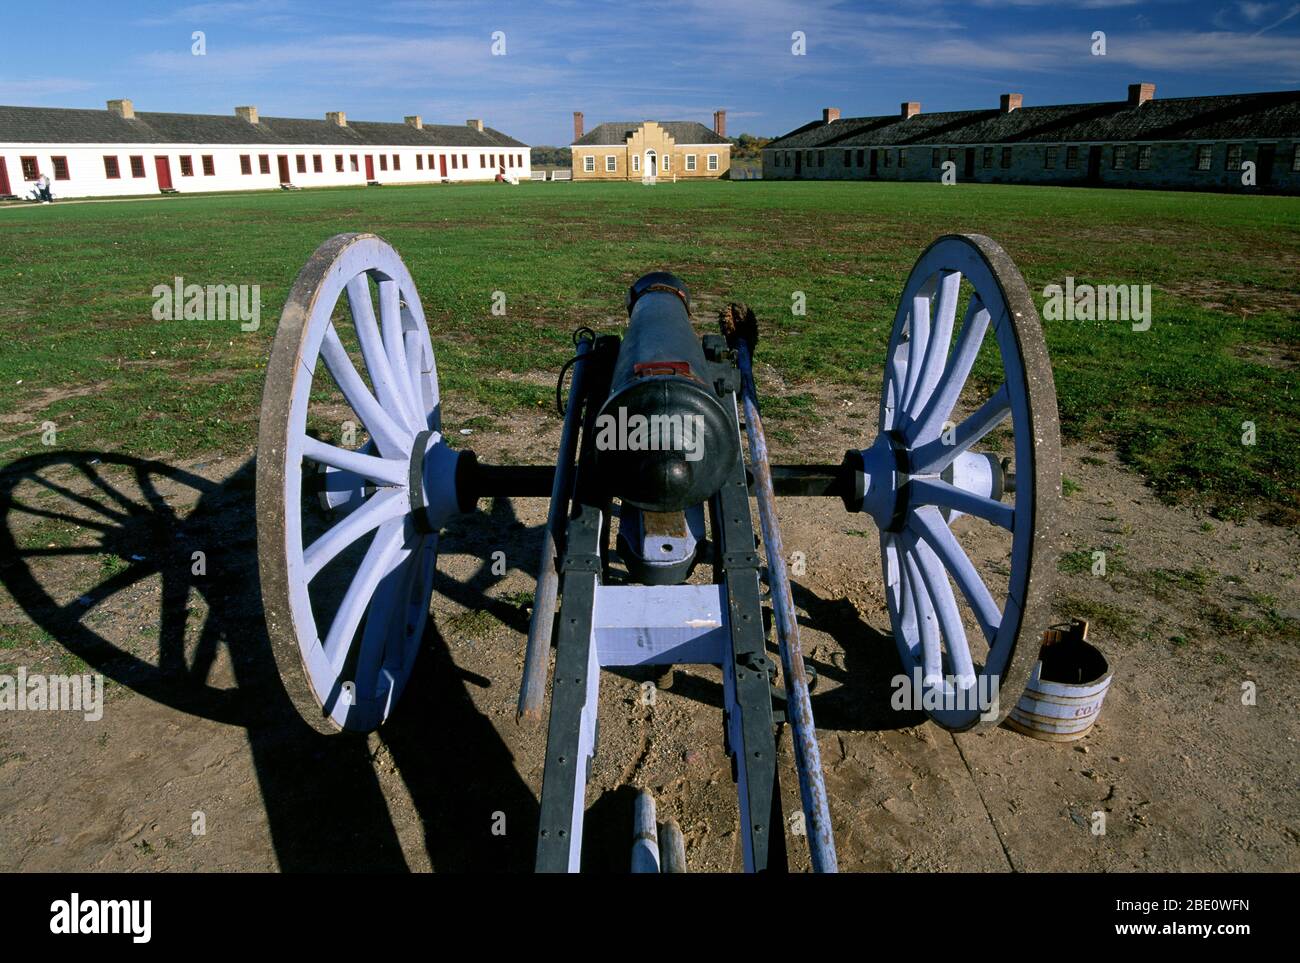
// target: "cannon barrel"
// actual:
[[664, 441]]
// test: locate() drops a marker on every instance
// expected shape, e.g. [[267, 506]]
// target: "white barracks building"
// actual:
[[119, 151]]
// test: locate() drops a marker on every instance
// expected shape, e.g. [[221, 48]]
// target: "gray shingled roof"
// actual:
[[616, 133], [1226, 117], [58, 125]]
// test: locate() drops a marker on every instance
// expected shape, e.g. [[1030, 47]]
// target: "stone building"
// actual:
[[1232, 142], [651, 149]]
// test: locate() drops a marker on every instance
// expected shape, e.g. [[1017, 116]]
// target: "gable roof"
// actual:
[[616, 133], [1221, 117], [60, 125]]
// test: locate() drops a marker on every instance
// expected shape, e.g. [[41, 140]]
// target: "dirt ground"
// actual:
[[96, 561]]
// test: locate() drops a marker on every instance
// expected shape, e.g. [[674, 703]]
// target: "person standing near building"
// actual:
[[43, 189]]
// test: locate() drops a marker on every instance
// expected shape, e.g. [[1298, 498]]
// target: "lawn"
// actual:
[[81, 349]]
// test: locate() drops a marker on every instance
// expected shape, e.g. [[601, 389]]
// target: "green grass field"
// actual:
[[80, 347]]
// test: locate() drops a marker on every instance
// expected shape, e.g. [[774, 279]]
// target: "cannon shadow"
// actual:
[[324, 802]]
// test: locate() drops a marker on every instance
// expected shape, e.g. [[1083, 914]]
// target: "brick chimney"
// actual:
[[1011, 102], [1139, 94], [475, 123], [577, 126], [910, 108], [414, 121], [720, 123], [247, 113], [337, 117], [123, 108], [830, 115]]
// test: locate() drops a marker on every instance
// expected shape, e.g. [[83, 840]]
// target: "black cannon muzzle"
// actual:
[[664, 442]]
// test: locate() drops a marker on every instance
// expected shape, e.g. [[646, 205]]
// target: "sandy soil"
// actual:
[[97, 569]]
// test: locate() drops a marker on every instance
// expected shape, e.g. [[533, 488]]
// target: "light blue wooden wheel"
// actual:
[[971, 632], [347, 536]]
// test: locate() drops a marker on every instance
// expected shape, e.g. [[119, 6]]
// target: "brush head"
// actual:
[[738, 323]]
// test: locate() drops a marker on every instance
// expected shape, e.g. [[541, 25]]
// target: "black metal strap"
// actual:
[[415, 481]]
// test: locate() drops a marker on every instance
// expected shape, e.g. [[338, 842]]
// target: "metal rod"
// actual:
[[536, 481], [645, 835], [537, 657], [807, 755]]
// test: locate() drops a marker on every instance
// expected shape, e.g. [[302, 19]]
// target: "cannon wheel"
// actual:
[[350, 595], [928, 365]]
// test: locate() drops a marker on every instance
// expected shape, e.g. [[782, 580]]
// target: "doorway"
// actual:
[[4, 179], [442, 165], [164, 168], [651, 164], [1264, 168], [1094, 164], [970, 164], [370, 167], [283, 161], [798, 162], [875, 162]]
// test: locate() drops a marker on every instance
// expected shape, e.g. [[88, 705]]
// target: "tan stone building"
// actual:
[[651, 149]]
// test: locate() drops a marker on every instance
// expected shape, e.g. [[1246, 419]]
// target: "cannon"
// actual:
[[655, 428]]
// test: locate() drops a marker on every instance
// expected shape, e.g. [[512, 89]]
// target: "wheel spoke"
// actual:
[[945, 605], [385, 627], [414, 353], [379, 556], [934, 456], [387, 504], [387, 390], [382, 471], [940, 340], [936, 491], [927, 624], [944, 396], [918, 340], [393, 439], [390, 327], [929, 525]]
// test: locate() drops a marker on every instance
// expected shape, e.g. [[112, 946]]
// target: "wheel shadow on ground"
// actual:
[[325, 806]]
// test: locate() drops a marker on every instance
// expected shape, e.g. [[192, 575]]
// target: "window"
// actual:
[[397, 162], [419, 162], [208, 168], [667, 160], [713, 162], [936, 156], [454, 160], [861, 157], [690, 162], [1049, 159], [383, 162], [464, 160], [889, 158], [352, 158], [1071, 158], [111, 170], [32, 170], [821, 158], [636, 163], [137, 166], [1144, 157], [316, 166], [1295, 158], [245, 164], [1232, 160], [432, 165], [589, 164], [1006, 157], [988, 157], [482, 160], [187, 166], [264, 163], [952, 154], [338, 163], [302, 163], [848, 159], [1203, 155], [1119, 155], [902, 157], [808, 158], [611, 163], [60, 168]]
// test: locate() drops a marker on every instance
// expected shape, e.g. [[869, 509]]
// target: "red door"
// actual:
[[4, 179], [164, 168], [370, 167], [283, 160], [442, 164]]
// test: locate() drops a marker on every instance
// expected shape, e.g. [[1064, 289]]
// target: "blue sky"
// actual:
[[666, 59]]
